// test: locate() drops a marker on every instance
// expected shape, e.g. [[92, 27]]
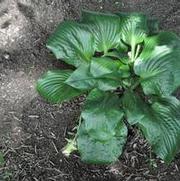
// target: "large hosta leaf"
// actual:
[[108, 73], [81, 78], [105, 29], [102, 134], [101, 152], [52, 87], [102, 73], [132, 106], [105, 66], [101, 114], [151, 23], [134, 28], [159, 64], [160, 124], [162, 128], [72, 43]]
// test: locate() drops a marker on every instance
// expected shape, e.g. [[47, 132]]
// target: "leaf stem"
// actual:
[[133, 49], [137, 51], [72, 143]]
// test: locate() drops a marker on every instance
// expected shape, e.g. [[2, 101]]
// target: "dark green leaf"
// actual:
[[134, 28], [101, 152], [133, 107], [108, 82], [105, 29], [104, 66], [108, 73], [101, 114], [152, 23], [159, 122], [159, 64], [72, 43], [81, 78], [163, 129], [88, 77], [52, 87]]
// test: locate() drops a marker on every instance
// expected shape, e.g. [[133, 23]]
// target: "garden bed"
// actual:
[[33, 132]]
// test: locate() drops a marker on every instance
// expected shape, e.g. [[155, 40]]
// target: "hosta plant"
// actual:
[[129, 71]]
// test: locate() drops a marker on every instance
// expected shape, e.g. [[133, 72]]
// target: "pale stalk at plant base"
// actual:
[[133, 56], [71, 145], [134, 52], [137, 51]]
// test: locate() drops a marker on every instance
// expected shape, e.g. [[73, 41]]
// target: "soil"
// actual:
[[32, 131]]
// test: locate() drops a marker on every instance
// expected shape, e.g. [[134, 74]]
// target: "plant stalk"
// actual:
[[137, 51], [133, 49]]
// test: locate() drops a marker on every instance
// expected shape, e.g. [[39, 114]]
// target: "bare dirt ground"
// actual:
[[32, 132]]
